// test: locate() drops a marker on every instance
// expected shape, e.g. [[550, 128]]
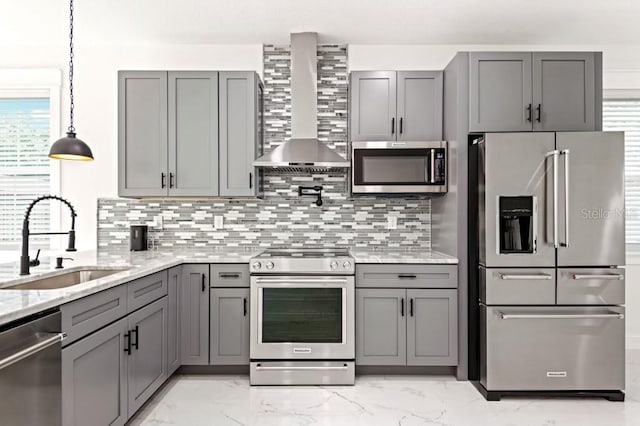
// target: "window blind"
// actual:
[[24, 168], [624, 115]]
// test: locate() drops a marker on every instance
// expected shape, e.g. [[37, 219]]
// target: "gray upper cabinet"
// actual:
[[432, 327], [193, 133], [564, 95], [194, 315], [173, 320], [240, 135], [142, 133], [540, 91], [373, 105], [419, 105], [381, 327], [94, 378], [229, 326], [147, 368], [500, 92]]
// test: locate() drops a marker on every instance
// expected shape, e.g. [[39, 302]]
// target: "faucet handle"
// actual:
[[36, 261]]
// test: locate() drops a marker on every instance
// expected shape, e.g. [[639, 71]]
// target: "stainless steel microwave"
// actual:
[[398, 167]]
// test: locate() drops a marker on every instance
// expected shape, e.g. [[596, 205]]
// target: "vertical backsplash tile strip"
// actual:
[[281, 218]]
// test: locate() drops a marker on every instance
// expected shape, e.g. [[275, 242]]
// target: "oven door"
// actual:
[[302, 317], [399, 167]]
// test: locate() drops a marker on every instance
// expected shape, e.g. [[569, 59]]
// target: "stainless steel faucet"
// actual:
[[25, 262]]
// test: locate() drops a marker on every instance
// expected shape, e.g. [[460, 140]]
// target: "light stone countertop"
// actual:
[[18, 303]]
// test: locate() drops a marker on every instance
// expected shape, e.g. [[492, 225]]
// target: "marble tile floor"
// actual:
[[376, 400]]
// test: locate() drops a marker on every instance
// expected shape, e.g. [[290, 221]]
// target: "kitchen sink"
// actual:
[[67, 279]]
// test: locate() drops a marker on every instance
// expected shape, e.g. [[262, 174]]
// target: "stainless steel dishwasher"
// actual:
[[30, 372]]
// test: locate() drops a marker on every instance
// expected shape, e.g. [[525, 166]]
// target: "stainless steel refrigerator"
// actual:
[[550, 257]]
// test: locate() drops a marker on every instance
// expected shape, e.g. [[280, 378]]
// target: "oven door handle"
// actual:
[[299, 367], [294, 281]]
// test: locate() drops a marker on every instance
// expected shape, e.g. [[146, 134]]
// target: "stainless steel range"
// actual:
[[302, 317]]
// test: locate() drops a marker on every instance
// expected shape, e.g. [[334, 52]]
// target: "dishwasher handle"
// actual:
[[45, 340]]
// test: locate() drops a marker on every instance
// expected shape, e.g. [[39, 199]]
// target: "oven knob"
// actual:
[[347, 265], [256, 265], [333, 265], [269, 265]]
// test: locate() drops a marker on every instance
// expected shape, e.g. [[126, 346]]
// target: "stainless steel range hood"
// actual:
[[303, 150]]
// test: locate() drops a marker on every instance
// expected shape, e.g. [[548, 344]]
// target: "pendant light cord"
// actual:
[[71, 129]]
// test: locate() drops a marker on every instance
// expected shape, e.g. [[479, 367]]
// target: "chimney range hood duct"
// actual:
[[303, 151]]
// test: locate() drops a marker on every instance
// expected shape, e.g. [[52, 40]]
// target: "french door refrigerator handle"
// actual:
[[525, 277], [555, 154], [597, 277], [565, 153]]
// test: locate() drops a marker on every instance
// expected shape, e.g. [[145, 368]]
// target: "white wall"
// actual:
[[95, 88]]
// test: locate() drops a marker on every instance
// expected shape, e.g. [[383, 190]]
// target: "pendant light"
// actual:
[[70, 147]]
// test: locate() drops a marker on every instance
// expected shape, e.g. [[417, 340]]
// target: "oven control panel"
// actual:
[[326, 265]]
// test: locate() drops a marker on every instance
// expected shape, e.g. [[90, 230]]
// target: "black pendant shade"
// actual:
[[70, 148]]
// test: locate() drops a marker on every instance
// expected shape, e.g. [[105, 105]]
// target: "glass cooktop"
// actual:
[[304, 253]]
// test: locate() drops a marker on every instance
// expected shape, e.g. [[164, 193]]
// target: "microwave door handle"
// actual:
[[433, 166]]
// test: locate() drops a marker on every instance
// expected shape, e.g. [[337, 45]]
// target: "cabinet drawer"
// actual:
[[87, 315], [518, 286], [591, 286], [230, 275], [145, 290], [407, 276]]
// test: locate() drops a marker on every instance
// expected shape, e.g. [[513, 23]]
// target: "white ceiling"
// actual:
[[44, 22]]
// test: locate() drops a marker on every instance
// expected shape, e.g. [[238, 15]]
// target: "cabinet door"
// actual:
[[142, 133], [194, 315], [229, 326], [420, 105], [173, 320], [500, 92], [193, 133], [147, 364], [432, 327], [94, 378], [373, 106], [564, 91], [381, 327], [238, 132]]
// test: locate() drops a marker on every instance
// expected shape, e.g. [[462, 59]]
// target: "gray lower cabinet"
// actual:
[[240, 135], [142, 133], [381, 327], [173, 320], [94, 378], [397, 326], [229, 326], [539, 91], [432, 327], [194, 315], [146, 364], [193, 133]]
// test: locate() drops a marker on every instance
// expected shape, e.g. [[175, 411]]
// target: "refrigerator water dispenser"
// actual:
[[517, 225]]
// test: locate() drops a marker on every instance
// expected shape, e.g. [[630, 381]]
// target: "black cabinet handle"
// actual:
[[539, 113], [250, 180], [163, 180], [127, 342], [401, 125], [402, 306], [229, 274], [170, 180], [244, 306], [393, 125], [529, 113], [407, 276], [411, 307], [204, 287], [135, 344]]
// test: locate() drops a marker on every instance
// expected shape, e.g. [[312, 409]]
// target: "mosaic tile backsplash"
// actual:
[[281, 218]]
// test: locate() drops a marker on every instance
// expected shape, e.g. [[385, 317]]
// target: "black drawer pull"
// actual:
[[135, 330], [411, 307], [229, 275], [244, 306], [402, 307], [127, 342], [407, 276]]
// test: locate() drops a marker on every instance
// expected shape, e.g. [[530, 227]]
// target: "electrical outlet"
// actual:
[[218, 222], [159, 222], [392, 222]]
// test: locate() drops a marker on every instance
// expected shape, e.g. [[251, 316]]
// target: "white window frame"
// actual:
[[40, 82]]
